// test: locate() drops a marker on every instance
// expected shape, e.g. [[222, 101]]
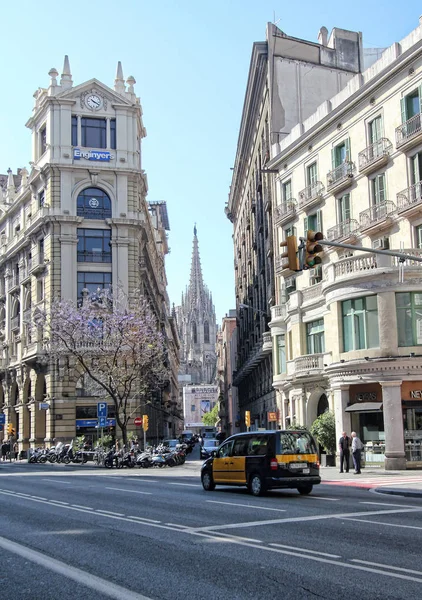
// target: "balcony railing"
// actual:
[[410, 198], [15, 322], [409, 130], [373, 154], [278, 312], [341, 176], [311, 293], [311, 193], [96, 257], [267, 344], [355, 265], [376, 214], [285, 211], [309, 364], [343, 230]]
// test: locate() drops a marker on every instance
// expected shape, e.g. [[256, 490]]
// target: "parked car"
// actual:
[[208, 447]]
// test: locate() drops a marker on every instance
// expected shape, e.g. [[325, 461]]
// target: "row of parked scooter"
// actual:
[[160, 456]]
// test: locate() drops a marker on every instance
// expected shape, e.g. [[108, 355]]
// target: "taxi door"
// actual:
[[238, 461], [221, 463]]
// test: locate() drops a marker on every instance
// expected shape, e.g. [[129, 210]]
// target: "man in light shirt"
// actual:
[[357, 448]]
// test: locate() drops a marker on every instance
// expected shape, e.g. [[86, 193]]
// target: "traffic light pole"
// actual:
[[400, 255]]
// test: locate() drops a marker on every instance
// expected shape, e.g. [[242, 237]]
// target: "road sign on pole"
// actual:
[[138, 421], [102, 421], [102, 410], [2, 418]]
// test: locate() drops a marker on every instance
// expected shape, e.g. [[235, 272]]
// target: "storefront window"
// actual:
[[409, 318], [412, 419], [360, 323]]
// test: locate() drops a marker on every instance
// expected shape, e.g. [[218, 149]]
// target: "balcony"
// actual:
[[281, 265], [409, 202], [377, 217], [267, 345], [14, 283], [278, 314], [374, 156], [345, 231], [409, 133], [341, 177], [308, 365], [312, 293], [285, 212], [36, 264], [311, 195]]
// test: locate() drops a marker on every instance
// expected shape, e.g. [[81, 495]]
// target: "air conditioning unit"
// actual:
[[290, 283], [381, 244], [316, 272]]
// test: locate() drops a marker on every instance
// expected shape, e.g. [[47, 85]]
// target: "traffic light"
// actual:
[[247, 418], [292, 261], [312, 249], [10, 429], [145, 422]]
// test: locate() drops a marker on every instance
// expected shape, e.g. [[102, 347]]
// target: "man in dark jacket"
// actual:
[[344, 447]]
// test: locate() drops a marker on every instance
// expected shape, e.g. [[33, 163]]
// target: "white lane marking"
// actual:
[[129, 491], [382, 523], [80, 506], [143, 519], [109, 512], [99, 584], [186, 484], [320, 498], [143, 479], [38, 497], [389, 504], [57, 502], [178, 525], [374, 564], [57, 481], [305, 550], [303, 519], [246, 505]]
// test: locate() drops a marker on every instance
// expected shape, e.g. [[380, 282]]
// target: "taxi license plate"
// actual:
[[298, 465]]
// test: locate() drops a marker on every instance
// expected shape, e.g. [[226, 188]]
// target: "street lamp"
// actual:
[[257, 310]]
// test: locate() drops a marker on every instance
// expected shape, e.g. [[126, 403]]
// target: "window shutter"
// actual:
[[346, 207], [333, 158], [319, 220], [347, 149], [415, 169], [381, 188], [403, 108], [305, 225]]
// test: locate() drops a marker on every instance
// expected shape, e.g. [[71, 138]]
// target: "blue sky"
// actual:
[[190, 60]]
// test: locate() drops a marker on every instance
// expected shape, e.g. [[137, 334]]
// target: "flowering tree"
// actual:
[[112, 340]]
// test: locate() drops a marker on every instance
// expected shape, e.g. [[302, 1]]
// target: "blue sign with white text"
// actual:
[[102, 421], [100, 155], [94, 423], [2, 419], [101, 409]]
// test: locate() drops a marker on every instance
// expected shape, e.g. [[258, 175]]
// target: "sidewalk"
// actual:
[[400, 483]]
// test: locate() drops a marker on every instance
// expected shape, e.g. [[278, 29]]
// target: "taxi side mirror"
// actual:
[[214, 453]]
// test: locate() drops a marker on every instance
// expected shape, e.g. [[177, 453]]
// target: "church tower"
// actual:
[[197, 326]]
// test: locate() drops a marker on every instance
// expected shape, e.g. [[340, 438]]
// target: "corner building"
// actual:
[[78, 220], [347, 334]]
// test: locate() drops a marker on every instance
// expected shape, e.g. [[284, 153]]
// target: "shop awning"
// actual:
[[365, 407]]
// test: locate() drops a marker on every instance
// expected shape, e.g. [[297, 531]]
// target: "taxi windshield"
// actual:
[[297, 442]]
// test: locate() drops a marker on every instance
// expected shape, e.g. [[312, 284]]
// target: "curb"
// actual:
[[406, 493]]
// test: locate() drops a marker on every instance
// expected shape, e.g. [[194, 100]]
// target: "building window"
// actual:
[[43, 139], [360, 324], [409, 318], [375, 130], [92, 282], [411, 105], [41, 198], [281, 354], [41, 249], [311, 174], [344, 212], [315, 337], [40, 290], [286, 191], [289, 231], [113, 134], [94, 133], [313, 222], [416, 168], [192, 408], [378, 189], [74, 131], [418, 236], [94, 245], [340, 153], [206, 333], [93, 203]]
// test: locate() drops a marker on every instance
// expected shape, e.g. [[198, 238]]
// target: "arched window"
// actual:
[[194, 333], [206, 333], [93, 203], [322, 405]]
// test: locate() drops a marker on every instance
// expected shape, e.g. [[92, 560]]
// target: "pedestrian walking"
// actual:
[[15, 451], [344, 447], [357, 448], [4, 451]]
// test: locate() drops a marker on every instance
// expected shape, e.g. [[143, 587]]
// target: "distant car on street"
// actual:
[[174, 444], [208, 447]]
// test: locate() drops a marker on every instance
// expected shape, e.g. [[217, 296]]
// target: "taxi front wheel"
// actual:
[[256, 485], [207, 481]]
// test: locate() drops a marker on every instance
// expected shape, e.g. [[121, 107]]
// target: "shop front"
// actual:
[[86, 423], [411, 393]]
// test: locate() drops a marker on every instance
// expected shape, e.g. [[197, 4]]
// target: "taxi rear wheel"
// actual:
[[305, 489], [256, 485], [207, 481]]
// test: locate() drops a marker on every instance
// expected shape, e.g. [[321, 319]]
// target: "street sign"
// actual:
[[43, 406], [138, 421], [1, 427], [2, 418], [102, 410], [102, 421]]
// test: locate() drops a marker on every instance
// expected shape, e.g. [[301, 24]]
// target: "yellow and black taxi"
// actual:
[[263, 460]]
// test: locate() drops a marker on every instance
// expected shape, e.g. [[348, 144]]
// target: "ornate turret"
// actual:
[[66, 79], [119, 82]]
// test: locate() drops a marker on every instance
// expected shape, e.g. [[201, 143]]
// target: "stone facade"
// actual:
[[79, 219], [347, 332], [227, 394]]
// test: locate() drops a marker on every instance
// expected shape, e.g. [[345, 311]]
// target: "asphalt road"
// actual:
[[75, 532]]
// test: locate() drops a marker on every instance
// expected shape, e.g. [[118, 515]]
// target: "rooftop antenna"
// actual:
[[274, 21]]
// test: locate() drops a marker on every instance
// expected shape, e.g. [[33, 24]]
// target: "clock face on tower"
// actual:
[[93, 101]]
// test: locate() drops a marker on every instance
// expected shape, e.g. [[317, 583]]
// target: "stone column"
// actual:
[[395, 457], [341, 400]]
